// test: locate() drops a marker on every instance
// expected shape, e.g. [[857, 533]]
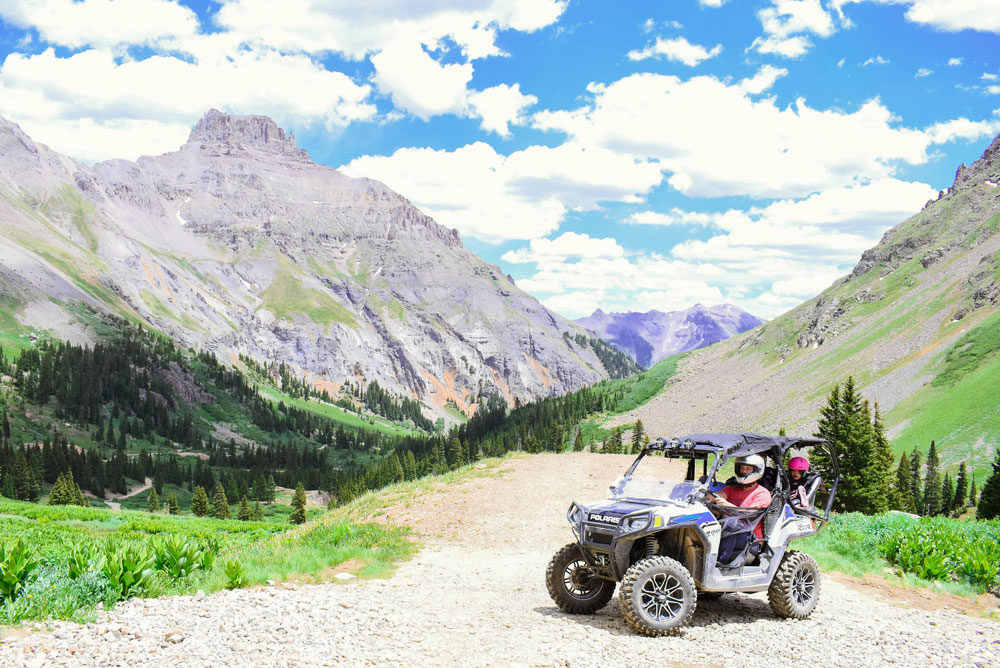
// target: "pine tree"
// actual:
[[270, 487], [298, 515], [199, 503], [916, 485], [903, 491], [578, 441], [232, 493], [847, 423], [26, 486], [638, 434], [455, 453], [988, 507], [173, 507], [831, 428], [961, 490], [932, 484], [259, 492], [153, 501], [880, 470], [409, 466], [60, 495], [437, 461], [972, 490], [78, 497], [220, 504], [258, 512], [244, 512], [947, 495]]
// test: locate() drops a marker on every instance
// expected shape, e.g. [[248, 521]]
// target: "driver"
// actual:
[[746, 493]]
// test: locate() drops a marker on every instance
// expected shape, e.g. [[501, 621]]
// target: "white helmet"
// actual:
[[757, 462]]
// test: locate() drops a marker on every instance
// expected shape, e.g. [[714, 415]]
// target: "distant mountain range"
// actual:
[[916, 324], [238, 243], [655, 335]]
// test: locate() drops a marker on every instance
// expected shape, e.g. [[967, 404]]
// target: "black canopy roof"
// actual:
[[741, 445]]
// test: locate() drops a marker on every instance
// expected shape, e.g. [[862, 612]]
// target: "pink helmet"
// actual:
[[798, 464]]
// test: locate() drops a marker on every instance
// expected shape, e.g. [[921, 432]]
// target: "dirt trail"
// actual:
[[112, 500], [475, 596]]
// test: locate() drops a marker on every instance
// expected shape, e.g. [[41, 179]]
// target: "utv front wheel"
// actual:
[[658, 596], [795, 589], [573, 585]]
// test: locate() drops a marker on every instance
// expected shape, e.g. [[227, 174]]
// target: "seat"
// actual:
[[810, 484]]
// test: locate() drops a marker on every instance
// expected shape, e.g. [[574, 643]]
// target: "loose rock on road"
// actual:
[[475, 596]]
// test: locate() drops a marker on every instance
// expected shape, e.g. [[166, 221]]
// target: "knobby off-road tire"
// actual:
[[794, 590], [573, 585], [658, 596]]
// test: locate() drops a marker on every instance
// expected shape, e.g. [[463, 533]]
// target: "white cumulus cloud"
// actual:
[[501, 106], [100, 23], [947, 15], [525, 195], [678, 50], [148, 106], [787, 25], [717, 141]]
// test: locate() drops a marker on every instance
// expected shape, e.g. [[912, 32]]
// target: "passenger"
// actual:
[[800, 479], [746, 493]]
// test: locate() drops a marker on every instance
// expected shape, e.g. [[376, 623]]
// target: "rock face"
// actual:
[[240, 244], [653, 336], [913, 307]]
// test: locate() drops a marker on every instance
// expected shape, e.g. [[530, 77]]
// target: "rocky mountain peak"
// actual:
[[259, 132]]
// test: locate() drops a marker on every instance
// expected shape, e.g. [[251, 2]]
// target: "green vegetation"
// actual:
[[617, 363], [60, 561], [955, 409], [286, 296], [922, 550], [976, 347]]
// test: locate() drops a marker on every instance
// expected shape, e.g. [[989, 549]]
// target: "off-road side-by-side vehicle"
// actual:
[[659, 533]]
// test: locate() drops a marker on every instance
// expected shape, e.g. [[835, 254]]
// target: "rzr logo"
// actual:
[[609, 519]]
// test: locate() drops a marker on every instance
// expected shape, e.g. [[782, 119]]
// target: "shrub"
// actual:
[[128, 569], [177, 558], [234, 574], [16, 564]]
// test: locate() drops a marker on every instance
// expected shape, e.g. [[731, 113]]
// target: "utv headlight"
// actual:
[[575, 514], [633, 523]]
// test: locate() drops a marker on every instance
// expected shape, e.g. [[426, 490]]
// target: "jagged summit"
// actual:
[[259, 132], [651, 336]]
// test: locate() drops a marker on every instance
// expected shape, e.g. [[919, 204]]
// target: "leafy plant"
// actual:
[[234, 574], [128, 569], [80, 557], [177, 558], [16, 564], [981, 565], [209, 553]]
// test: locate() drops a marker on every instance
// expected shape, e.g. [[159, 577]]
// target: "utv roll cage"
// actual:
[[723, 447]]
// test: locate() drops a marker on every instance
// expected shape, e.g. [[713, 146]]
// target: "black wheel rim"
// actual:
[[579, 581], [661, 597], [803, 585]]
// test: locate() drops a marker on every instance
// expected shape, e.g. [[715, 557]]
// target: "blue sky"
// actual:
[[614, 155]]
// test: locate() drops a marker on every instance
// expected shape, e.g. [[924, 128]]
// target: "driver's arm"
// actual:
[[719, 498]]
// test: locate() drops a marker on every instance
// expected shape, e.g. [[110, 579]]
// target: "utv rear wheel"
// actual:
[[572, 584], [795, 589], [658, 596]]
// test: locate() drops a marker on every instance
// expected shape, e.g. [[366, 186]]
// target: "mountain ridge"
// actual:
[[931, 282], [655, 335], [238, 243]]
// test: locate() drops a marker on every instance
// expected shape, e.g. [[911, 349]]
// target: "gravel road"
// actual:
[[475, 596]]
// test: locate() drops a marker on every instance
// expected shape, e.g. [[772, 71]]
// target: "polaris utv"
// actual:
[[659, 533]]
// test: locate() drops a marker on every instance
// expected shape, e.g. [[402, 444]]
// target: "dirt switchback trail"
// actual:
[[475, 596]]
